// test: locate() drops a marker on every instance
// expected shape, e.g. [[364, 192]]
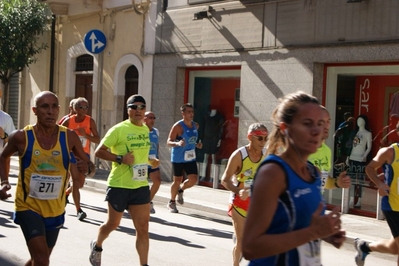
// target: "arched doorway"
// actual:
[[131, 86], [84, 79]]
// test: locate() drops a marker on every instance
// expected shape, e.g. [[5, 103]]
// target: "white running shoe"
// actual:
[[152, 210], [180, 199], [172, 207], [95, 256], [360, 255]]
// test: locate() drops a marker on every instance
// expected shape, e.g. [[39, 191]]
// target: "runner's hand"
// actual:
[[153, 162], [244, 193], [323, 226], [3, 191], [128, 158]]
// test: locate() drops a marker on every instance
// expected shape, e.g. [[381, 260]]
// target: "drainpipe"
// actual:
[[52, 52]]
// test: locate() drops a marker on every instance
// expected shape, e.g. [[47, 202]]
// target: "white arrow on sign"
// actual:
[[94, 44]]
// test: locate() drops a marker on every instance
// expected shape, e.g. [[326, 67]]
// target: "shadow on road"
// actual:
[[132, 231], [7, 220], [5, 260]]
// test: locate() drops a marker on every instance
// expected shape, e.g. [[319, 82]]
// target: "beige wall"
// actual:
[[127, 40], [34, 79], [123, 28], [70, 31]]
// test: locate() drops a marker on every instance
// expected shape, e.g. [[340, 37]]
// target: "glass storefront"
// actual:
[[215, 96], [362, 104]]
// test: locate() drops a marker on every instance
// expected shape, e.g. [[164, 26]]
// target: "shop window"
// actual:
[[215, 96], [366, 116]]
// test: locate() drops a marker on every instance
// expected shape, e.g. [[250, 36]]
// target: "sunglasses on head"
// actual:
[[151, 117], [83, 107], [260, 138], [135, 106]]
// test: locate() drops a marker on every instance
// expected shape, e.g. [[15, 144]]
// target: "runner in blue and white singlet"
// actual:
[[153, 173], [286, 220], [185, 153], [182, 139]]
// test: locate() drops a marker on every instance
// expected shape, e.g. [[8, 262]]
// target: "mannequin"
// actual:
[[211, 139], [358, 157]]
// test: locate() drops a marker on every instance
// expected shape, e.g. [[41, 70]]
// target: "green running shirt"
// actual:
[[122, 138]]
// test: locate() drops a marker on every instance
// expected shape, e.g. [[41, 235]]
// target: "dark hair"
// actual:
[[285, 112], [184, 106], [366, 125]]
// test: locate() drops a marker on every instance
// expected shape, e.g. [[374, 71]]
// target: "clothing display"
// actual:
[[210, 137], [358, 159], [394, 105], [361, 145], [212, 132]]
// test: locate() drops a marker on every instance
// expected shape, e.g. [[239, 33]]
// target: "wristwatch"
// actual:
[[119, 159], [5, 135]]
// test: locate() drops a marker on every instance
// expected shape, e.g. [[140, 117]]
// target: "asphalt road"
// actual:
[[192, 237]]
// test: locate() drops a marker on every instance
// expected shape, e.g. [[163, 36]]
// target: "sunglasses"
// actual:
[[83, 107], [259, 138], [151, 117], [135, 106]]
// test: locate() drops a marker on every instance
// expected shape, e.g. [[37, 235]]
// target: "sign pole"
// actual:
[[99, 98], [95, 42]]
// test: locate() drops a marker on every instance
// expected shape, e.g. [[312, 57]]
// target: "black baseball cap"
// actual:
[[135, 98]]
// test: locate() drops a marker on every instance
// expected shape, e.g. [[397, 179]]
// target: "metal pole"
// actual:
[[100, 97]]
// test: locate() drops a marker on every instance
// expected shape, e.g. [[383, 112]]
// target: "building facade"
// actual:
[[230, 58], [106, 77], [240, 57]]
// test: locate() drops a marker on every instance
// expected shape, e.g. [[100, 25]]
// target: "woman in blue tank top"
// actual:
[[286, 220]]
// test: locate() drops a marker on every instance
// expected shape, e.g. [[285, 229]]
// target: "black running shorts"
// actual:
[[189, 168], [121, 198], [393, 222]]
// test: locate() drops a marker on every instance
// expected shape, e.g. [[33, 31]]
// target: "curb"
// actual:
[[95, 184], [99, 184]]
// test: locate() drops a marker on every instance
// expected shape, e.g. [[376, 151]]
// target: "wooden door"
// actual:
[[84, 88]]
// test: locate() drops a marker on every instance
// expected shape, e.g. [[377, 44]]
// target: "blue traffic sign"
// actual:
[[95, 41]]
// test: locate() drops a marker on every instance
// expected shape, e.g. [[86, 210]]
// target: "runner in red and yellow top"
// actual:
[[238, 177], [86, 128]]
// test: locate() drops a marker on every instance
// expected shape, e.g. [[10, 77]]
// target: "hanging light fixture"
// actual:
[[141, 6]]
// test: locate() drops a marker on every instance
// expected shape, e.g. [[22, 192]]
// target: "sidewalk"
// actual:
[[216, 201]]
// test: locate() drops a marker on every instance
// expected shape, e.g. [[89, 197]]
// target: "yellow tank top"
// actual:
[[391, 178], [248, 169], [43, 175]]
